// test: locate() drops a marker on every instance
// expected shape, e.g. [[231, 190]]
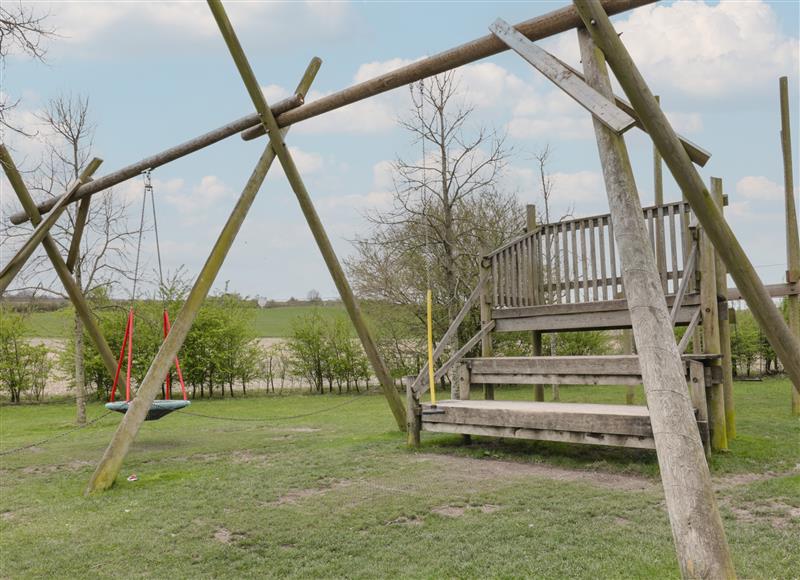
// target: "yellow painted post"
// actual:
[[431, 379]]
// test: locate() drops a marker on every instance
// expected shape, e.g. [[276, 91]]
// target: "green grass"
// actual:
[[337, 494], [53, 324], [267, 322], [278, 322]]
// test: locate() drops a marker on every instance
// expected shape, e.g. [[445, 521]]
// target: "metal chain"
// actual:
[[43, 441], [148, 186]]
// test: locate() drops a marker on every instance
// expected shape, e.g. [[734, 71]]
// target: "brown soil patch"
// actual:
[[470, 469], [406, 521], [225, 536], [449, 511], [296, 496], [48, 469], [249, 457]]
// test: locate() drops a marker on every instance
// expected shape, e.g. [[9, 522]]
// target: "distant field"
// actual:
[[268, 322]]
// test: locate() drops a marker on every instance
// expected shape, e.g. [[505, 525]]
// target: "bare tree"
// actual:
[[101, 259], [22, 30], [447, 208]]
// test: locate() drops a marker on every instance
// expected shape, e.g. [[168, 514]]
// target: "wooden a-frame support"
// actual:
[[63, 270], [107, 470], [700, 541], [317, 229], [752, 289]]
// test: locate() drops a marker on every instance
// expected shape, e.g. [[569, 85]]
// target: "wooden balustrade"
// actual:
[[576, 260]]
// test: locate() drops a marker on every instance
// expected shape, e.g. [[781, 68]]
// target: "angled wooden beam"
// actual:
[[107, 470], [19, 259], [792, 237], [603, 109], [445, 340], [696, 523], [461, 352], [688, 274], [309, 211], [687, 336], [152, 161], [77, 233], [740, 268], [70, 285]]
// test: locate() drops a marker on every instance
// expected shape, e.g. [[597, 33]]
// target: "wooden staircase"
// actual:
[[616, 425], [566, 277]]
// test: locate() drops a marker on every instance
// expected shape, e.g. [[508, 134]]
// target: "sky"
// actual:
[[158, 73]]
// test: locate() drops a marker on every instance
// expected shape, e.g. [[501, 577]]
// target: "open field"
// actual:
[[337, 494], [267, 322]]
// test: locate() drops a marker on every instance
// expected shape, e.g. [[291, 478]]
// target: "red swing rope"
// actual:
[[127, 339]]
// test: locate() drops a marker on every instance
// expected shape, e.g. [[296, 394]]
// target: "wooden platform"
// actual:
[[616, 425]]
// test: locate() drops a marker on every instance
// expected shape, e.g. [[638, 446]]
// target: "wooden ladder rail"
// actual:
[[689, 270], [454, 326]]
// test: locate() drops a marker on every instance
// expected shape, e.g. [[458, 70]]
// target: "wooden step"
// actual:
[[599, 315], [616, 425], [560, 370]]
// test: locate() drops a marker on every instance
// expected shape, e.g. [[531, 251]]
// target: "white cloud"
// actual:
[[704, 50], [194, 203], [104, 30], [759, 188], [685, 122], [579, 186]]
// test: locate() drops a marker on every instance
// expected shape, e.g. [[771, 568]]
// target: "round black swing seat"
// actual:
[[157, 410]]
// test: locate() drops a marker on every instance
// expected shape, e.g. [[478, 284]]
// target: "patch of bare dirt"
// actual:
[[736, 479], [406, 521], [449, 511], [296, 496], [249, 457], [471, 469], [225, 536], [47, 469], [776, 513]]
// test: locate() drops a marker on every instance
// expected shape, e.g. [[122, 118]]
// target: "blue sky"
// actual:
[[158, 73]]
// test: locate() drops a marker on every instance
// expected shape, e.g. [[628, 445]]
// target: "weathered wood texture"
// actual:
[[577, 260], [740, 268], [724, 328], [696, 524], [792, 236], [107, 470], [164, 157]]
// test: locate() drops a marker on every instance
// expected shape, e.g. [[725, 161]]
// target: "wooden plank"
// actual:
[[601, 233], [603, 109], [459, 354], [614, 419], [606, 439], [774, 290], [584, 261], [687, 336], [661, 248], [688, 274], [577, 365], [575, 271], [451, 331], [565, 243], [557, 263], [673, 249], [554, 379], [593, 255], [612, 258], [582, 307]]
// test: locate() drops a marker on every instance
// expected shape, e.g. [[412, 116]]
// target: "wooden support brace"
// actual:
[[77, 233], [603, 109], [461, 352], [687, 336], [309, 211], [696, 523], [73, 290], [107, 470], [16, 263], [413, 413]]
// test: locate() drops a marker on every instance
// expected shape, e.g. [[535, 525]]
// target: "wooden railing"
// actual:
[[577, 261]]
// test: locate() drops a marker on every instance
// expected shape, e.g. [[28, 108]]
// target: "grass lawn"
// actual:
[[337, 494], [267, 322]]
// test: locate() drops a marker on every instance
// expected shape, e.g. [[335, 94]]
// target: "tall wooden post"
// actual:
[[792, 239], [696, 524], [711, 342], [658, 198], [626, 342], [530, 219], [724, 327], [487, 349], [785, 343]]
